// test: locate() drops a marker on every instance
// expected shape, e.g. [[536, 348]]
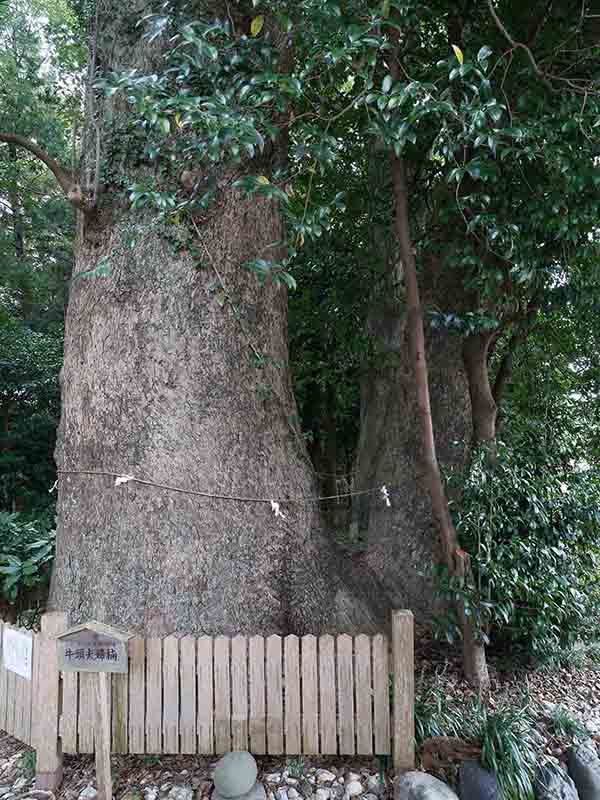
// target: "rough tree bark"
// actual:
[[160, 381]]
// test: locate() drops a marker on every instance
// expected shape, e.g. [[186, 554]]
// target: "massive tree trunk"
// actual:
[[403, 541], [161, 381]]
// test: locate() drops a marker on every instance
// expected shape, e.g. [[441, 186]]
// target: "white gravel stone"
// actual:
[[324, 776], [323, 794], [89, 793], [181, 793], [281, 794], [273, 777], [151, 793], [293, 794], [352, 776], [354, 788]]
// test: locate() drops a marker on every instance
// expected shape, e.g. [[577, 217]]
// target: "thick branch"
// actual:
[[64, 177], [483, 404]]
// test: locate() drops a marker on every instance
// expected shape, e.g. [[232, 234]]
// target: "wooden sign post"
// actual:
[[94, 647]]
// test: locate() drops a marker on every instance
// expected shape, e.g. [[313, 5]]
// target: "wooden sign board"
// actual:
[[17, 651], [93, 647]]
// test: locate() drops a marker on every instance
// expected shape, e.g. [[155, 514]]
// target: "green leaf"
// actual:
[[484, 53], [257, 25], [458, 53], [387, 84]]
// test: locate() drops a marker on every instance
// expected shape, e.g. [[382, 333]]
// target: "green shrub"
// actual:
[[531, 522], [505, 734], [507, 748], [565, 726], [26, 554]]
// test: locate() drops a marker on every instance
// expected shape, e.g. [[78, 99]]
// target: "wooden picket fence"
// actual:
[[277, 695]]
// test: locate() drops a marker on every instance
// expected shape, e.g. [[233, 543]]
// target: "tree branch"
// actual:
[[64, 177], [516, 45], [580, 85]]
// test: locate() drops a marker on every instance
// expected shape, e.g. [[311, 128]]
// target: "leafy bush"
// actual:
[[531, 521], [505, 734], [507, 748], [26, 554], [563, 724]]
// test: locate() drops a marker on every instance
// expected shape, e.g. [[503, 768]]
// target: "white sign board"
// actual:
[[17, 651]]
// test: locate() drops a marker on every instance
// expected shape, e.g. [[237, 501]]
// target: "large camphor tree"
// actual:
[[176, 364], [196, 140]]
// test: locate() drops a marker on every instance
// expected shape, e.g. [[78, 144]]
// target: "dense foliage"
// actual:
[[26, 553]]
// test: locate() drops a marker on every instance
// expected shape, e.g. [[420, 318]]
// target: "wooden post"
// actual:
[[102, 736], [47, 705], [403, 655]]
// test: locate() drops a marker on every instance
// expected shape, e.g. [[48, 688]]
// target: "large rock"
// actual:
[[235, 774], [555, 784], [476, 783], [421, 786], [257, 792], [584, 768]]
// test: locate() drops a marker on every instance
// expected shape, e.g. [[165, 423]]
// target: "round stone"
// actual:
[[324, 776], [354, 788], [421, 786], [257, 792], [235, 774]]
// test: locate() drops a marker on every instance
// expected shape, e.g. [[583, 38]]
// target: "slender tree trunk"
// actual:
[[160, 381], [483, 404], [473, 651]]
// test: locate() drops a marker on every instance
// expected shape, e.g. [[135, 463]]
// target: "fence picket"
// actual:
[[293, 728], [345, 681], [381, 690], [120, 711], [222, 696], [137, 695], [239, 693], [87, 715], [327, 716], [310, 707], [274, 697], [187, 677], [27, 698], [206, 744], [68, 720], [258, 729], [364, 697], [3, 703], [19, 707], [171, 695], [154, 696]]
